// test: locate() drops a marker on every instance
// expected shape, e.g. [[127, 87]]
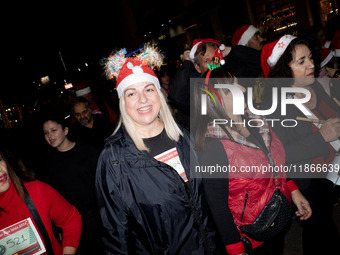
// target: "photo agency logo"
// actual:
[[284, 95], [204, 98]]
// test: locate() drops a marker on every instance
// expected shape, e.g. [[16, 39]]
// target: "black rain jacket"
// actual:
[[146, 207]]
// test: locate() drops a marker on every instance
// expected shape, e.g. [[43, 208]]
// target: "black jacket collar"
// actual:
[[129, 152]]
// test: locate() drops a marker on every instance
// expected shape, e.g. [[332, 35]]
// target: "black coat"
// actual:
[[244, 62], [146, 207]]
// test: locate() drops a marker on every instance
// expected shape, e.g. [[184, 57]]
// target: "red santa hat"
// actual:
[[336, 44], [134, 71], [272, 52], [82, 89], [327, 55], [244, 34], [326, 44], [199, 42]]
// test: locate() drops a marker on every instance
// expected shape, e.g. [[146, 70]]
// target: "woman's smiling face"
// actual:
[[54, 133], [142, 103]]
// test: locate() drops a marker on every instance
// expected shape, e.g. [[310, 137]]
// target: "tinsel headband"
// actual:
[[129, 71]]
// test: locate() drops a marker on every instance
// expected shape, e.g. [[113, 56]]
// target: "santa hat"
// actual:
[[327, 55], [326, 44], [272, 52], [134, 71], [244, 34], [199, 42], [336, 44], [82, 89]]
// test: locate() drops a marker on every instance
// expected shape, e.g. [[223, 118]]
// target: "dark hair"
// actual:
[[78, 100], [57, 116], [202, 49], [282, 68], [200, 123]]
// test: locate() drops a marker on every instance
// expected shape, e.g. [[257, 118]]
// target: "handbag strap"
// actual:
[[260, 143], [36, 217]]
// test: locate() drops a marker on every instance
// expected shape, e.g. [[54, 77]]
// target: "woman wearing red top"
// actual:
[[51, 206]]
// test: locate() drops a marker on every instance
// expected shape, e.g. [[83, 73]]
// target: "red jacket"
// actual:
[[259, 191], [50, 205]]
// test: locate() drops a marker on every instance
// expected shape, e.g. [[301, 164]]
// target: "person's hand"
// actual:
[[186, 55], [304, 210], [330, 130], [68, 250]]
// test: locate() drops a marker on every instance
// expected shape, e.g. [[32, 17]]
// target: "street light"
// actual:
[[45, 80]]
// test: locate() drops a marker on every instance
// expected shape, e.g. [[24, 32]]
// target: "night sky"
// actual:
[[33, 37]]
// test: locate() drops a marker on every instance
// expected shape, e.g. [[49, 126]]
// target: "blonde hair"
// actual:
[[170, 125]]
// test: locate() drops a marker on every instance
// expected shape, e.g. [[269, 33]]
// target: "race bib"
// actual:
[[171, 158], [21, 238]]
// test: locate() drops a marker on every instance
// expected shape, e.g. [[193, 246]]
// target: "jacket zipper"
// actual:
[[244, 207]]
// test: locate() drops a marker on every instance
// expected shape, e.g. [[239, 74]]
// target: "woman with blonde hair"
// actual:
[[149, 204]]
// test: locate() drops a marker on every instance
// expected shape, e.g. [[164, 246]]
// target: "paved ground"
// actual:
[[293, 240]]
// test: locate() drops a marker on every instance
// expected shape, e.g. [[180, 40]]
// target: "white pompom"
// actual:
[[137, 70], [222, 47]]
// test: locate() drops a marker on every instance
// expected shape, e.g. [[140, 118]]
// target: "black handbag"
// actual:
[[272, 219], [274, 216]]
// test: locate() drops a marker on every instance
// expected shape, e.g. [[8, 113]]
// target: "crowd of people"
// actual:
[[121, 180]]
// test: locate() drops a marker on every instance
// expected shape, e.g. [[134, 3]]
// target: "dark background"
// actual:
[[33, 35]]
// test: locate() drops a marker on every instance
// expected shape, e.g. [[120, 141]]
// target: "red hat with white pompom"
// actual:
[[271, 52], [129, 71], [199, 42], [244, 34], [134, 71]]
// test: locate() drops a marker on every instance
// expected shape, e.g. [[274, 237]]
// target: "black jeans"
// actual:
[[320, 234], [90, 241]]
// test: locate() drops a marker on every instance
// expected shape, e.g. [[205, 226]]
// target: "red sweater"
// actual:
[[51, 206]]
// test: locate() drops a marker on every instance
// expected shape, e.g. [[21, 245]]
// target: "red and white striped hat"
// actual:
[[271, 52], [243, 35], [134, 71]]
